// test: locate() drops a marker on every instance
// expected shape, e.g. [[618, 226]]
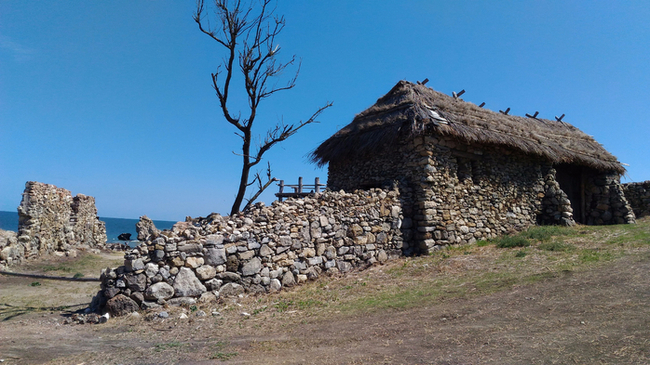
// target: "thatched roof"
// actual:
[[409, 110]]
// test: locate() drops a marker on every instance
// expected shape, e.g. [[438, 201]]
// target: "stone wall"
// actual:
[[638, 195], [605, 200], [460, 193], [51, 220], [10, 251], [556, 206], [262, 251]]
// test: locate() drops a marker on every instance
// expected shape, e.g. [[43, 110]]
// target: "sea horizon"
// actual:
[[114, 226]]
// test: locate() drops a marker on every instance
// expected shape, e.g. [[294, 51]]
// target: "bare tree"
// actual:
[[248, 34]]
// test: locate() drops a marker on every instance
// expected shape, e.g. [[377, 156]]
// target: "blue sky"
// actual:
[[113, 98]]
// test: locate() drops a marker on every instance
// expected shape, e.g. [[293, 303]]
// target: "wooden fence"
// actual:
[[299, 190]]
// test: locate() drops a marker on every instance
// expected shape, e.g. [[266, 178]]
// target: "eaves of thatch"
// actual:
[[410, 110]]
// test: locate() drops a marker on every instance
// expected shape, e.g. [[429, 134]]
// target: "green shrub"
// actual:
[[544, 233], [555, 246], [521, 253], [593, 255], [512, 241]]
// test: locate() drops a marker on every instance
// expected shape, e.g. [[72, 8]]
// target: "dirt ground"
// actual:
[[599, 315]]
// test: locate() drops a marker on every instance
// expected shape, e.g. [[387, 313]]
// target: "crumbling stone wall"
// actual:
[[263, 250], [556, 206], [605, 200], [638, 195], [10, 251], [50, 220]]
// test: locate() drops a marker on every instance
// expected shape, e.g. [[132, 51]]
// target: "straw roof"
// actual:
[[410, 110]]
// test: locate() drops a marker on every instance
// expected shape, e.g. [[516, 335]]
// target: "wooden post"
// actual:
[[534, 116], [317, 185], [300, 185], [281, 189]]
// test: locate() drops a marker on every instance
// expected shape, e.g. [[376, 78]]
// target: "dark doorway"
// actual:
[[570, 179]]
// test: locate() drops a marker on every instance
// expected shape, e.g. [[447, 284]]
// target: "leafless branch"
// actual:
[[248, 33], [261, 187], [281, 132]]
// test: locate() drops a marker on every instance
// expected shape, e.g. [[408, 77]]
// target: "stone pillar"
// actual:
[[638, 196], [50, 219], [556, 206], [606, 202]]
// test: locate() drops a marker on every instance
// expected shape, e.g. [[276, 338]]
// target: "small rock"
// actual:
[[177, 302], [288, 279], [231, 289], [194, 262], [206, 272], [207, 297], [275, 285]]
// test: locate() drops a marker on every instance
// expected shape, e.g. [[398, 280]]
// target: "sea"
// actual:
[[114, 226]]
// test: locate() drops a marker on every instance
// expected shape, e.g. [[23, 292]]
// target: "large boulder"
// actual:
[[124, 237], [121, 305], [160, 290], [7, 238], [136, 282], [10, 250], [215, 255], [146, 229], [187, 284], [252, 267]]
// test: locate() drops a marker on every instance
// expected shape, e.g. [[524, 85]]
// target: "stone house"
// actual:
[[467, 173]]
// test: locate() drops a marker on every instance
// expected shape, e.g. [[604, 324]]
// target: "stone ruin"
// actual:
[[51, 220], [638, 195], [264, 250], [427, 170], [269, 248]]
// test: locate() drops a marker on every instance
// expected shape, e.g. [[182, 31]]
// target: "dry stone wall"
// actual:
[[638, 195], [474, 192], [51, 220], [556, 206], [264, 250], [605, 200], [460, 193], [10, 251], [457, 192]]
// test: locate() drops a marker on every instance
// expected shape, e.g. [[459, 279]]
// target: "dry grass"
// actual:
[[459, 271], [406, 110], [473, 303], [19, 295]]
